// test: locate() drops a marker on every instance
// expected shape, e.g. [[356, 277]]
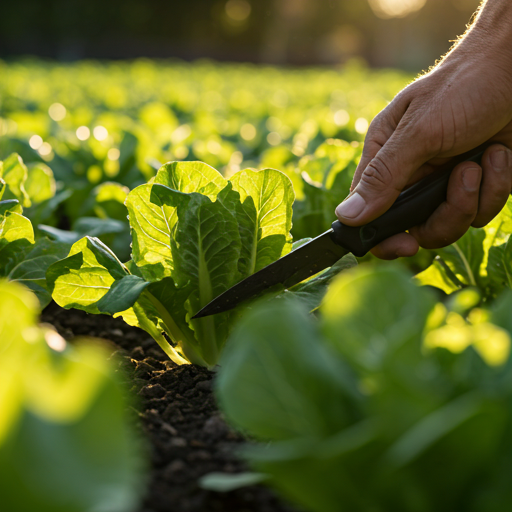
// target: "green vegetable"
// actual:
[[195, 234], [384, 401], [65, 440], [481, 259], [23, 259]]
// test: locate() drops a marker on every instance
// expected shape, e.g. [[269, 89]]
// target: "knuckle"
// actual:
[[378, 175]]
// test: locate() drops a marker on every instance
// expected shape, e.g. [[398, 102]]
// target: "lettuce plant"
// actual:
[[481, 259], [63, 404], [194, 235], [385, 401], [22, 258]]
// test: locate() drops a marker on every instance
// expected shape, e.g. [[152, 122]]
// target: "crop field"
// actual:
[[134, 193]]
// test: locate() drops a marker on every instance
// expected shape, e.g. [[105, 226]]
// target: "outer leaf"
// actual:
[[312, 291], [108, 201], [191, 177], [122, 295], [499, 266], [264, 217], [279, 381], [43, 212], [14, 174], [68, 407], [465, 256], [152, 224], [2, 187], [31, 271], [40, 185], [16, 236], [436, 275], [371, 313], [85, 276]]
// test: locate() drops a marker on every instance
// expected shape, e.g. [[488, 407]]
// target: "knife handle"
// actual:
[[412, 208]]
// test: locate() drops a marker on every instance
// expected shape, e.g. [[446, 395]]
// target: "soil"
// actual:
[[177, 412]]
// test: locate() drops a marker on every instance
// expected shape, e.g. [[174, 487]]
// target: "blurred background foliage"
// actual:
[[408, 34]]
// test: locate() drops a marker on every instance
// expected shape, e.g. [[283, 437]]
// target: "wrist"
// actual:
[[492, 28]]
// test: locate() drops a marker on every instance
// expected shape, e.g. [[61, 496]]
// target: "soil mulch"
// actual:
[[180, 418]]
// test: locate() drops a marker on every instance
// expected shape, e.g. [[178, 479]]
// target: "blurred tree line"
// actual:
[[409, 34]]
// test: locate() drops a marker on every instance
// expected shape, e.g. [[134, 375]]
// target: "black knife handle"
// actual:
[[412, 208]]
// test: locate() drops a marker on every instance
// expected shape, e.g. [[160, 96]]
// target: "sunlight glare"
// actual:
[[100, 133], [57, 111], [248, 132], [83, 133], [238, 10], [35, 142], [362, 125], [45, 149], [113, 154], [396, 8]]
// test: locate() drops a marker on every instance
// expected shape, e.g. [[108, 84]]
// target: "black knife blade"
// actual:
[[309, 259], [412, 208]]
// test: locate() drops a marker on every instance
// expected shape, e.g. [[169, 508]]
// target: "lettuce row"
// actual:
[[385, 401], [22, 258], [194, 235]]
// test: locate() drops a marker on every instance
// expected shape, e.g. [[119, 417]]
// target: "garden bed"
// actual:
[[178, 415]]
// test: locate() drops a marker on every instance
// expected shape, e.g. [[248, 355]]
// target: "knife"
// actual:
[[412, 207]]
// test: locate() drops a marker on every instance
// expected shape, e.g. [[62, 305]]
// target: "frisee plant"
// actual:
[[194, 235]]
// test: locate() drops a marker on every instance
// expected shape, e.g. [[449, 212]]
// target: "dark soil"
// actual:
[[178, 414]]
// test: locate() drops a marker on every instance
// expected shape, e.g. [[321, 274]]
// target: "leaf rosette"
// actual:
[[194, 235]]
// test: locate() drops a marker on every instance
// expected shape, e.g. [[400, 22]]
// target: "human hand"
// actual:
[[464, 102]]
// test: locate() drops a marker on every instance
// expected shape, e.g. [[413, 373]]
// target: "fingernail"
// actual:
[[351, 207], [471, 178], [499, 160]]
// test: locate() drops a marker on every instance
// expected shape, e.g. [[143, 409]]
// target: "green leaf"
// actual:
[[374, 313], [31, 271], [122, 295], [191, 177], [312, 291], [43, 212], [2, 187], [151, 226], [16, 236], [499, 266], [280, 381], [40, 185], [152, 223], [205, 250], [465, 256], [85, 276], [227, 482], [14, 173], [108, 201], [68, 407], [437, 276], [264, 215]]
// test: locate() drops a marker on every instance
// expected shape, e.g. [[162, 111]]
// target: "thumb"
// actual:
[[385, 176]]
